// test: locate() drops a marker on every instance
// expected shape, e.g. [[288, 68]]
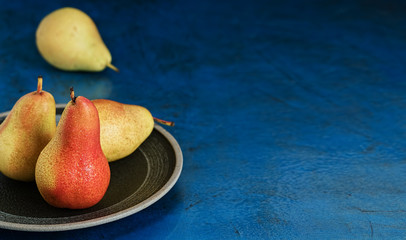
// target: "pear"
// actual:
[[68, 39], [27, 129], [123, 127], [72, 171]]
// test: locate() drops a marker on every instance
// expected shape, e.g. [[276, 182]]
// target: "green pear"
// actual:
[[123, 127], [72, 171], [68, 39], [27, 129]]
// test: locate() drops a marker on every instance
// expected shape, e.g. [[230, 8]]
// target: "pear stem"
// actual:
[[112, 67], [167, 123], [72, 95], [39, 85]]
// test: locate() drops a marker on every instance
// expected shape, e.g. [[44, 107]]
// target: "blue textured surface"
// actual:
[[291, 116]]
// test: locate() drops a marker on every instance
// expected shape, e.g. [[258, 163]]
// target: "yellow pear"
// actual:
[[123, 127], [68, 39], [25, 132]]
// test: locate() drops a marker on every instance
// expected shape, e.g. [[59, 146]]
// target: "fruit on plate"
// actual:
[[72, 171], [68, 39], [123, 127], [27, 129]]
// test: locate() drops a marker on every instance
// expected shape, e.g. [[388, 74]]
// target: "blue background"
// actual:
[[290, 114]]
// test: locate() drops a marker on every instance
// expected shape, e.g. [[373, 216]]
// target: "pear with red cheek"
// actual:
[[72, 171], [27, 129]]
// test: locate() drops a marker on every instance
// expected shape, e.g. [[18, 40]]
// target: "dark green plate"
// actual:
[[137, 181]]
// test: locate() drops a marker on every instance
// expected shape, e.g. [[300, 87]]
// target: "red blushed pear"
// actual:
[[72, 171], [25, 132]]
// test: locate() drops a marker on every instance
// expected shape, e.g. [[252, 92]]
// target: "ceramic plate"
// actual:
[[137, 181]]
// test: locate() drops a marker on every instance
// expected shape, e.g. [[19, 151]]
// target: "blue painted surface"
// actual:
[[290, 114]]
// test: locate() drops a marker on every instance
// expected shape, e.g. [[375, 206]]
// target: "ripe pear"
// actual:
[[27, 129], [68, 39], [72, 171], [123, 127]]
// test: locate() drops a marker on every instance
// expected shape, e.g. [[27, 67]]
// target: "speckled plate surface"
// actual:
[[137, 181]]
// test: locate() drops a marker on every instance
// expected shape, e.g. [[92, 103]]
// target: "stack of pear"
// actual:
[[27, 129], [72, 171], [68, 39]]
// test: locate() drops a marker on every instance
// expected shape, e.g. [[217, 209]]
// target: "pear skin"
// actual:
[[123, 127], [72, 171], [68, 39], [25, 132]]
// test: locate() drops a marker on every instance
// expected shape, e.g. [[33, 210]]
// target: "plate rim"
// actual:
[[114, 216]]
